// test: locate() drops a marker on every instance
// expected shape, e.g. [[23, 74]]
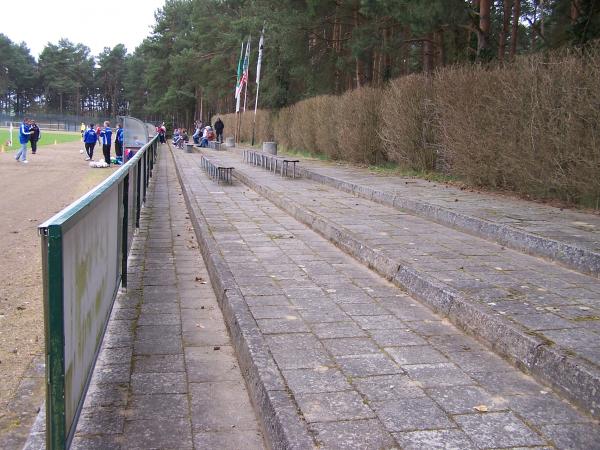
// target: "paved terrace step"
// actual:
[[542, 316], [340, 358], [569, 237], [167, 376]]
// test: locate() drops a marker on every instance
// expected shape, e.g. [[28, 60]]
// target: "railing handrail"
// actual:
[[87, 200], [116, 204]]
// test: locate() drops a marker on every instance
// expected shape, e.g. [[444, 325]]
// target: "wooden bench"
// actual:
[[216, 170], [270, 162]]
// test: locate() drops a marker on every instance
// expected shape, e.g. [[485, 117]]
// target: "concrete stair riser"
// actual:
[[570, 376], [570, 256]]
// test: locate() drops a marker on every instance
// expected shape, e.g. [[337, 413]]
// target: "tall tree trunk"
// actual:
[[534, 25], [484, 26], [337, 47], [515, 29], [506, 14], [440, 54], [575, 10], [427, 49], [359, 64], [386, 55]]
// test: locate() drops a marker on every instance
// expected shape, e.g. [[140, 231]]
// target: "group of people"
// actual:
[[29, 132], [201, 137], [204, 134], [103, 134]]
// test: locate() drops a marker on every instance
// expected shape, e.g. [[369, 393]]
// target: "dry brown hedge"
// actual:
[[532, 126]]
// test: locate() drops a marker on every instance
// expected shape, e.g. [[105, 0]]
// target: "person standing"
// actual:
[[90, 139], [24, 133], [119, 143], [82, 130], [162, 133], [106, 135], [36, 134], [219, 127]]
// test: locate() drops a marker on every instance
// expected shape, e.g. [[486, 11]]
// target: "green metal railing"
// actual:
[[84, 257]]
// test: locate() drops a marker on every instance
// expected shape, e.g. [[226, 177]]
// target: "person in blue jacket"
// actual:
[[106, 136], [24, 133], [119, 143], [90, 139]]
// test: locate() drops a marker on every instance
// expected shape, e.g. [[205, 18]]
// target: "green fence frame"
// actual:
[[131, 197]]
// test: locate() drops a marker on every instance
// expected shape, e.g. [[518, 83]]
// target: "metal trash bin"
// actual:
[[229, 142], [189, 148], [270, 147]]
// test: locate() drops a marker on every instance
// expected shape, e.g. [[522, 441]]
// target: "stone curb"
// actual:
[[569, 255], [573, 377], [278, 414]]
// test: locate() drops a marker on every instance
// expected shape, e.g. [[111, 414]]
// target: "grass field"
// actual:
[[48, 138]]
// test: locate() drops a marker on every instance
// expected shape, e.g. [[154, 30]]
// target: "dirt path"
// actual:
[[30, 194]]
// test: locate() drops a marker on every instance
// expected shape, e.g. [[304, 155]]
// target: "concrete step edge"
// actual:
[[569, 255], [574, 378], [283, 427]]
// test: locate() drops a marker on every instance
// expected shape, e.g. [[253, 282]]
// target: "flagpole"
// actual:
[[247, 72], [258, 64], [237, 95]]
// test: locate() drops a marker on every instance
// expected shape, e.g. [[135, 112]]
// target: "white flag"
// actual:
[[260, 54]]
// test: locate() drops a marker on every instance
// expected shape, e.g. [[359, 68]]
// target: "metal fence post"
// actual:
[[125, 231], [138, 200], [55, 341]]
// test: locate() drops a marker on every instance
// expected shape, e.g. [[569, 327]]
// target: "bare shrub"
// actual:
[[407, 117], [281, 127], [324, 114], [358, 125], [531, 126]]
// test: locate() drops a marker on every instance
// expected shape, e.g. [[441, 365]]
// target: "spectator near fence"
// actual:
[[36, 134], [90, 138], [106, 135], [162, 133], [119, 144], [24, 133]]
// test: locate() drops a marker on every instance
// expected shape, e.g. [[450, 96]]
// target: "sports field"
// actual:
[[48, 138]]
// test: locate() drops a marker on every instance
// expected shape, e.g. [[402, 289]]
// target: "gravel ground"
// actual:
[[31, 193]]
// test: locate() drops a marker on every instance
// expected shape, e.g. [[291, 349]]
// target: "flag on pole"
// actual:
[[260, 54], [258, 64], [244, 81], [238, 88]]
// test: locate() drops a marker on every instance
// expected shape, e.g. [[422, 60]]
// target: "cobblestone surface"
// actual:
[[167, 376], [569, 236], [366, 364], [543, 316]]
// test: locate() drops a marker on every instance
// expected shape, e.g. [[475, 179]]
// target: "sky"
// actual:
[[97, 25]]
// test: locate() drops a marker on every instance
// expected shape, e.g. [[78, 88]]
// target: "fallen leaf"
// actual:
[[481, 408]]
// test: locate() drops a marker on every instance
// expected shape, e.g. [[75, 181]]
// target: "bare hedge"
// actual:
[[532, 126]]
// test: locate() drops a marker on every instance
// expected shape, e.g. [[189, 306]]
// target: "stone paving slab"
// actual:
[[568, 236], [167, 376], [351, 372], [484, 288]]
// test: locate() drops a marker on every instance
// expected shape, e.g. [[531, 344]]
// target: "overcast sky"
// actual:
[[97, 25]]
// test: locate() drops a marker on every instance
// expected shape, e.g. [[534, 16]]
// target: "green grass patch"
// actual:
[[48, 138], [390, 168], [302, 153]]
